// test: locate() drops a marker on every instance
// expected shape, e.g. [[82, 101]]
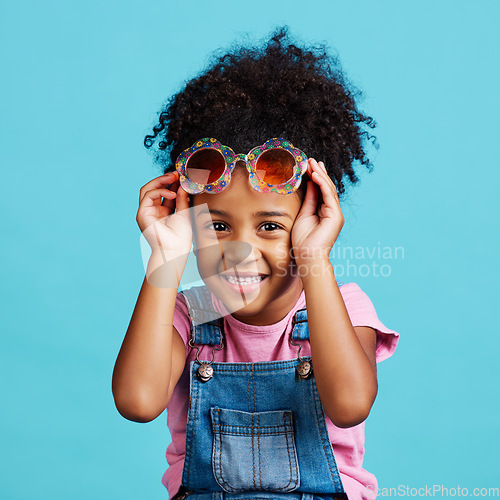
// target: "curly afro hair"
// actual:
[[252, 94]]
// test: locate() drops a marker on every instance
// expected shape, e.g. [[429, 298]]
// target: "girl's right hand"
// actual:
[[166, 223]]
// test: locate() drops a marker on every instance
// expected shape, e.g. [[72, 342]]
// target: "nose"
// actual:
[[236, 253], [240, 249]]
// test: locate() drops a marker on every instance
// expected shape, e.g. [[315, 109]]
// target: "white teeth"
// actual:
[[244, 281]]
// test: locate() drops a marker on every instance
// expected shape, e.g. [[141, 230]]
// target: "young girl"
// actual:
[[268, 372]]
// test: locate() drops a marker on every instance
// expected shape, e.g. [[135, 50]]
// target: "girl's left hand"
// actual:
[[320, 219]]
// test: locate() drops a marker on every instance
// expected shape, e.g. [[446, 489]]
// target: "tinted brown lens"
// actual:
[[205, 166], [275, 166]]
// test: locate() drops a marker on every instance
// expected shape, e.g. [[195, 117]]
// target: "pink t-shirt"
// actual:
[[249, 343]]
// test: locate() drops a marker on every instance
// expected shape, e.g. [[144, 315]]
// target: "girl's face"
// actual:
[[243, 247]]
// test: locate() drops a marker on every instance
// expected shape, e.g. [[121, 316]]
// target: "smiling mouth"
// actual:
[[243, 280]]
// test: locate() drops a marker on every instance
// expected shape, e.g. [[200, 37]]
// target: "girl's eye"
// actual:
[[218, 226], [270, 226]]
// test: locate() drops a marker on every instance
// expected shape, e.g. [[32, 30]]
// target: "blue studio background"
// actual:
[[81, 85]]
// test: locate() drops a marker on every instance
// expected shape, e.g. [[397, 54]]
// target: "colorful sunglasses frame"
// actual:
[[250, 160]]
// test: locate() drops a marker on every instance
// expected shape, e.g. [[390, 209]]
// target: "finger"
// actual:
[[158, 182], [310, 170], [169, 202], [182, 200], [319, 167], [153, 198], [310, 201], [334, 187], [321, 170], [336, 192], [327, 192]]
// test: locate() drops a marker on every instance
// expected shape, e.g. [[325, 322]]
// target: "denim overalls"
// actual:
[[254, 430]]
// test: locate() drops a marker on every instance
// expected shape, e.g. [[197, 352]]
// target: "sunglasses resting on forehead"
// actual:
[[274, 167]]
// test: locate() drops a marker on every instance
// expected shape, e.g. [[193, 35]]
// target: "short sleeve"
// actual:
[[182, 321], [362, 313]]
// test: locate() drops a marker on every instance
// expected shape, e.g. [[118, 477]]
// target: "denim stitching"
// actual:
[[227, 430], [258, 441], [221, 478], [226, 427], [258, 444], [248, 390], [260, 427], [218, 445], [253, 385], [294, 453], [253, 434], [289, 465], [285, 488], [218, 449], [253, 458]]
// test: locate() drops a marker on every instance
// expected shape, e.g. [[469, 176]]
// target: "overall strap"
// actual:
[[206, 322], [300, 330]]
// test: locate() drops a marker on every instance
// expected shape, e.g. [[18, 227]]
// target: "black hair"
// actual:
[[252, 94]]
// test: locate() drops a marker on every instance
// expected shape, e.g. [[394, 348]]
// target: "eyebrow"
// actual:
[[262, 213]]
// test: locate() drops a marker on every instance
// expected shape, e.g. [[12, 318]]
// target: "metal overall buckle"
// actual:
[[205, 371], [304, 368]]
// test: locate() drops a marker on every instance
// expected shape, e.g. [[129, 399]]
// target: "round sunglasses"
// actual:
[[274, 167]]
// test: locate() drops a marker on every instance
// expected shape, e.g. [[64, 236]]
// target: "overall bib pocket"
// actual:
[[254, 451]]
